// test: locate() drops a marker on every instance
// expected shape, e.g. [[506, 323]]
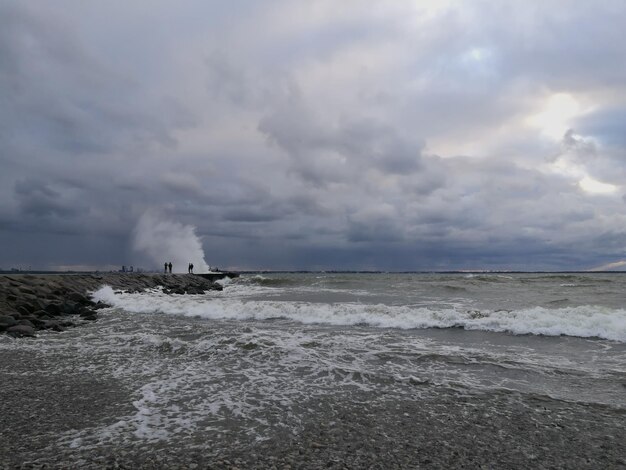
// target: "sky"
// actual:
[[313, 134]]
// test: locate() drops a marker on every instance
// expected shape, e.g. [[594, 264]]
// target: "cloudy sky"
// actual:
[[315, 134]]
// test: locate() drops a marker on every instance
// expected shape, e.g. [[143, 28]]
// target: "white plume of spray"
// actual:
[[165, 241]]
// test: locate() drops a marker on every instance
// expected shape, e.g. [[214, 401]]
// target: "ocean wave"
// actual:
[[569, 280], [268, 281], [581, 321], [497, 278]]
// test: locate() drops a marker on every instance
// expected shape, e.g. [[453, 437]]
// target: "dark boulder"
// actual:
[[42, 314], [88, 314], [26, 290], [100, 305], [25, 322], [53, 325], [71, 308], [79, 298], [7, 321], [195, 290], [38, 323], [20, 331], [25, 309], [53, 309], [36, 304]]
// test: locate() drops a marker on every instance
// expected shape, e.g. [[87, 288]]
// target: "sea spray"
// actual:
[[164, 240]]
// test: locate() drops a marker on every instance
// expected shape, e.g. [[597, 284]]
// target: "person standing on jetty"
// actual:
[[170, 266], [190, 269], [165, 267]]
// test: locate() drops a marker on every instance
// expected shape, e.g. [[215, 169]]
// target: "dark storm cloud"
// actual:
[[294, 135], [326, 152], [57, 98], [68, 123], [35, 198]]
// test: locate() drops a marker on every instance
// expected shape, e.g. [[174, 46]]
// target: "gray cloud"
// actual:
[[311, 135]]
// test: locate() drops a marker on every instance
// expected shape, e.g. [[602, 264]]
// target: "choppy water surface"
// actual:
[[264, 348]]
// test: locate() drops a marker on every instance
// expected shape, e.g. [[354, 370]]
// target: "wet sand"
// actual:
[[439, 428]]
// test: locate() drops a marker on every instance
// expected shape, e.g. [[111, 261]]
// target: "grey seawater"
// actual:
[[330, 370]]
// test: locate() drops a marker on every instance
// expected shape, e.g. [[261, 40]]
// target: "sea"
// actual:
[[249, 360]]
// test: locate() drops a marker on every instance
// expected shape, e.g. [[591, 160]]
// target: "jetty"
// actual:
[[30, 302]]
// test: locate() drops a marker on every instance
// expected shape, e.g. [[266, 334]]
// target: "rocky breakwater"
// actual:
[[30, 302]]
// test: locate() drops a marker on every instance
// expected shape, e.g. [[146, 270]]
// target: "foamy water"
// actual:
[[241, 302], [248, 361]]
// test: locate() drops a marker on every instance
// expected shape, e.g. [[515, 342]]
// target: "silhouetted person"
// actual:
[[190, 270], [165, 267], [170, 267]]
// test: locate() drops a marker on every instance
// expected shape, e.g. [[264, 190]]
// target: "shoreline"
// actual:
[[146, 390], [66, 401]]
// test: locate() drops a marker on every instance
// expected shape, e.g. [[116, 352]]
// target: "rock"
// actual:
[[100, 305], [70, 308], [79, 298], [53, 309], [7, 321], [195, 290], [88, 314], [25, 309], [11, 297], [42, 314], [20, 331], [36, 304], [26, 322], [26, 290], [38, 323], [53, 325]]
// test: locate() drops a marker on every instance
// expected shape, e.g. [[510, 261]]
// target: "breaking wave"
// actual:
[[580, 321]]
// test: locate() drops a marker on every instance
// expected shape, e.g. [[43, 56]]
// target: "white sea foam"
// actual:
[[224, 281], [582, 321], [255, 378]]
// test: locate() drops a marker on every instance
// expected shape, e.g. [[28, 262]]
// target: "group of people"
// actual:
[[167, 267]]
